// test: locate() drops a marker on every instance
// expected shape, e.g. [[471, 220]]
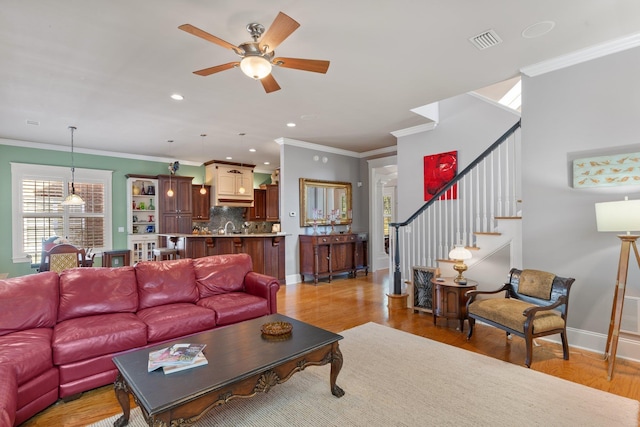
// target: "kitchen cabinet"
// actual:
[[175, 212], [258, 212], [266, 204], [327, 255], [272, 203], [267, 252], [201, 210]]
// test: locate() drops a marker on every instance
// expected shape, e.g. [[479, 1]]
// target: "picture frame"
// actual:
[[439, 170]]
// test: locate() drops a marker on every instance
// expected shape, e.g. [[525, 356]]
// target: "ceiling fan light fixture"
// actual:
[[255, 66]]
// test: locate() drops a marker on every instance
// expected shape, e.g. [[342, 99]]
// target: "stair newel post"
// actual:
[[397, 276]]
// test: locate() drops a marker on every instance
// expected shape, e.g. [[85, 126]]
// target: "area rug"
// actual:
[[393, 378]]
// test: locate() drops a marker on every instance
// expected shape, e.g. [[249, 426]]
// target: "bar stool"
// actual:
[[160, 254]]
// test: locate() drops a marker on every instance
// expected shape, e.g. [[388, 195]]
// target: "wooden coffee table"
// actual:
[[241, 363]]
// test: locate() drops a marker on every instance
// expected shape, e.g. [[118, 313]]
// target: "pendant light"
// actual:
[[242, 190], [170, 190], [73, 199], [203, 190], [171, 172]]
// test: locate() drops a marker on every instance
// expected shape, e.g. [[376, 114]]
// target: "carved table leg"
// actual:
[[122, 394], [336, 365]]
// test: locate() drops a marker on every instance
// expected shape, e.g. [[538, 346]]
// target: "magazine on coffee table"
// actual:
[[176, 355], [200, 360]]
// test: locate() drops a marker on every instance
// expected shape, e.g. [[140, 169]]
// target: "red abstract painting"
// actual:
[[439, 169]]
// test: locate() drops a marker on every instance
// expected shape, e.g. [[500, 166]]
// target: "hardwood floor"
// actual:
[[345, 303]]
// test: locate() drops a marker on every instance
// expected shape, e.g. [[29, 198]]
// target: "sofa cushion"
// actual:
[[221, 274], [535, 283], [8, 395], [165, 282], [175, 320], [508, 312], [28, 302], [90, 291], [234, 307], [85, 337], [29, 352]]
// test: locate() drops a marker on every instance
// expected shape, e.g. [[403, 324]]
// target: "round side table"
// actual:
[[449, 298]]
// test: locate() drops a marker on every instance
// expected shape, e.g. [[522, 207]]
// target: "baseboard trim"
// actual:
[[595, 342]]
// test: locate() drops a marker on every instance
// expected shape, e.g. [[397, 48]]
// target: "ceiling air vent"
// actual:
[[486, 40]]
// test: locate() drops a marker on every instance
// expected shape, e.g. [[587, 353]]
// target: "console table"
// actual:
[[449, 298], [326, 255]]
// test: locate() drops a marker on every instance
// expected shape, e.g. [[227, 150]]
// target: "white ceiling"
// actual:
[[109, 67]]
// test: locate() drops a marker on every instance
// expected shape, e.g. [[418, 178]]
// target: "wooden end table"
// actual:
[[449, 298]]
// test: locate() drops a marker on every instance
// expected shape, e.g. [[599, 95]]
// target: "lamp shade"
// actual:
[[459, 252], [73, 200], [255, 66], [621, 216]]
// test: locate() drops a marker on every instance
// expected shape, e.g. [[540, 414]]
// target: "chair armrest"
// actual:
[[531, 311], [263, 286], [473, 294]]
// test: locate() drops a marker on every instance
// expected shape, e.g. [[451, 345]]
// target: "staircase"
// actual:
[[484, 217]]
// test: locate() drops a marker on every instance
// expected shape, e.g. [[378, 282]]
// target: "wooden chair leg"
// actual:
[[565, 345], [472, 322], [529, 349]]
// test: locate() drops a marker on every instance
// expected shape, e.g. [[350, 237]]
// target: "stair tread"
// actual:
[[487, 233], [507, 217]]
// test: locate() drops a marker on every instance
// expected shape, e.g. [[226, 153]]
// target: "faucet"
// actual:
[[232, 225]]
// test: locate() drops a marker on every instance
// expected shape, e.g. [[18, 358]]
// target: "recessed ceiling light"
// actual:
[[33, 122], [229, 157], [291, 125], [267, 163], [177, 97], [253, 150]]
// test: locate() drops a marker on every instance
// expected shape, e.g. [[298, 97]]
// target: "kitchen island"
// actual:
[[267, 250]]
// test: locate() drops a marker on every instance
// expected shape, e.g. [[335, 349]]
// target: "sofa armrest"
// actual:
[[263, 286]]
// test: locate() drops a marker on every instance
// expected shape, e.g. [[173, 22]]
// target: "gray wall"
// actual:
[[298, 163], [587, 109]]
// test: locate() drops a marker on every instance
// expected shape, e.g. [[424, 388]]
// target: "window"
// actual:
[[38, 192], [387, 212]]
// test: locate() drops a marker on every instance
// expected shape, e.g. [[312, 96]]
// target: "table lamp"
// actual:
[[459, 253], [620, 216]]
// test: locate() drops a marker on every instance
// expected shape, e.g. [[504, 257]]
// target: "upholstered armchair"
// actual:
[[535, 304]]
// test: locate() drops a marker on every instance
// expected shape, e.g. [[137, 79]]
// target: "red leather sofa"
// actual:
[[58, 333]]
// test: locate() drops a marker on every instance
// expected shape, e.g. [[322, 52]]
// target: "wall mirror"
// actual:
[[322, 201]]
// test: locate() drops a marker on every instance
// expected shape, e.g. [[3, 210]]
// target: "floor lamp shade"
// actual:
[[621, 216]]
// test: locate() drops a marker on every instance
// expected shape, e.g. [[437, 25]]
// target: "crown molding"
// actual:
[[582, 55], [41, 146], [414, 129]]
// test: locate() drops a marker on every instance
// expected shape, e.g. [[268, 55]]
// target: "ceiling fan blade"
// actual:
[[216, 69], [209, 37], [280, 29], [315, 65], [269, 84]]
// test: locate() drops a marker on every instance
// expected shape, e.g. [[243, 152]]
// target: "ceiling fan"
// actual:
[[258, 56]]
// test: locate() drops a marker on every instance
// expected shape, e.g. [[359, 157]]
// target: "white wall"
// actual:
[[584, 110]]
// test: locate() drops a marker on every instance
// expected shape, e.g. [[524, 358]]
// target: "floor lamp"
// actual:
[[621, 216]]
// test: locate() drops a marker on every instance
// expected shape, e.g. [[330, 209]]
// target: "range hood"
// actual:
[[231, 183]]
